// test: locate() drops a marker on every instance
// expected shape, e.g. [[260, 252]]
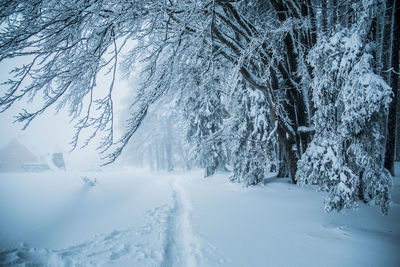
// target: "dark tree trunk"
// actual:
[[397, 153], [394, 83], [283, 170], [290, 155]]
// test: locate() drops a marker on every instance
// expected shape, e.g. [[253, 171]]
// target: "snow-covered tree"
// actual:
[[205, 117], [304, 57], [346, 155], [250, 137], [71, 43]]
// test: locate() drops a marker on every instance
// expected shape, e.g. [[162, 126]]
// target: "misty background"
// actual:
[[53, 131]]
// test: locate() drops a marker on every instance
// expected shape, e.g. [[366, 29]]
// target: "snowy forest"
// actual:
[[306, 88], [302, 89]]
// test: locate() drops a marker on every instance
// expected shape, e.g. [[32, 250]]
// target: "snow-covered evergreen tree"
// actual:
[[346, 155], [205, 117], [250, 137]]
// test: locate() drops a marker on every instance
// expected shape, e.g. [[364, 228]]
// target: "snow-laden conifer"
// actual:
[[250, 136], [345, 157], [205, 117]]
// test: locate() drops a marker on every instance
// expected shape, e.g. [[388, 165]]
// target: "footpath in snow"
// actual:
[[60, 219], [138, 218]]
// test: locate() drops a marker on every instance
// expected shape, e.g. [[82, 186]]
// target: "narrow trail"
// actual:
[[181, 246]]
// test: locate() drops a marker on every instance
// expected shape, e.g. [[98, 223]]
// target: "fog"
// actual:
[[53, 131], [159, 144]]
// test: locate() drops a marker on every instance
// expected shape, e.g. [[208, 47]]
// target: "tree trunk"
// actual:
[[168, 146], [283, 170], [394, 83], [159, 157], [397, 153], [290, 155], [168, 151], [151, 158]]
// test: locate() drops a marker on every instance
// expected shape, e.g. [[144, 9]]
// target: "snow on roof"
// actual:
[[14, 154]]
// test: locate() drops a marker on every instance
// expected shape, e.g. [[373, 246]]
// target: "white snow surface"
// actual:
[[140, 218]]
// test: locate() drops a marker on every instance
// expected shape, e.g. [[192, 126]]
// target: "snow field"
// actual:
[[138, 218], [107, 224], [281, 224], [71, 223]]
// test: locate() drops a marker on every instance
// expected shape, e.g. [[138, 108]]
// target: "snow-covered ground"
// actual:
[[139, 218]]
